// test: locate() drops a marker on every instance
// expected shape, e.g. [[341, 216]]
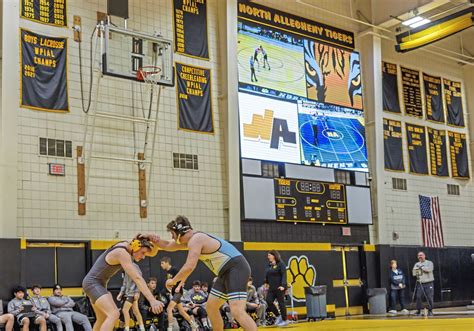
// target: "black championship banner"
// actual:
[[194, 98], [411, 92], [43, 72], [438, 155], [190, 28], [391, 103], [458, 154], [453, 96], [51, 12], [392, 143], [416, 141], [433, 98]]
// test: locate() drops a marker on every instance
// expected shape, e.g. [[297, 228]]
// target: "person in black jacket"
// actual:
[[397, 288], [275, 276]]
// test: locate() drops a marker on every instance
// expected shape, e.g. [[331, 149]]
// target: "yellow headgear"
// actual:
[[136, 244]]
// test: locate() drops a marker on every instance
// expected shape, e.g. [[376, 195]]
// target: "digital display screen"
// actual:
[[300, 93], [308, 201]]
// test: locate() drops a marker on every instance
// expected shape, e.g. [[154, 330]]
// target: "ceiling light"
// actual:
[[412, 20], [420, 23]]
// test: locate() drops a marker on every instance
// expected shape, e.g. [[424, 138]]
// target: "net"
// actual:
[[149, 74]]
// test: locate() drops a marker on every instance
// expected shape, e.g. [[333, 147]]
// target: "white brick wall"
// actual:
[[402, 214], [47, 205]]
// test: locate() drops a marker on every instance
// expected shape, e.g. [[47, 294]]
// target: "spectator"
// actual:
[[263, 291], [175, 296], [43, 307], [423, 271], [196, 300], [130, 290], [253, 303], [8, 320], [62, 306], [276, 278], [145, 307], [205, 288], [24, 311], [397, 288]]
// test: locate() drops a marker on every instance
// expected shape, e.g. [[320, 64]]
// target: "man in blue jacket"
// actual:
[[397, 288]]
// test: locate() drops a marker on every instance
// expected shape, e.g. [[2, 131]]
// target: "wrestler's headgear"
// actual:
[[136, 244], [180, 226]]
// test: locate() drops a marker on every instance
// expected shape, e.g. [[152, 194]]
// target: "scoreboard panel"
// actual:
[[310, 201]]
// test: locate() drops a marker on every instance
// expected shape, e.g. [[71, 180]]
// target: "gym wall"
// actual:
[[400, 212], [47, 205]]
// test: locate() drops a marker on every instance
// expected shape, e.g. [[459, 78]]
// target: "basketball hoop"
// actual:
[[149, 74]]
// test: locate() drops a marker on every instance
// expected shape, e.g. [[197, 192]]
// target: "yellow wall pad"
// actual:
[[22, 243], [266, 246], [101, 245], [369, 248], [70, 291], [395, 324], [339, 311], [350, 282]]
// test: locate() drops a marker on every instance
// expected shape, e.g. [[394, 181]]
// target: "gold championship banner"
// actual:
[[43, 72]]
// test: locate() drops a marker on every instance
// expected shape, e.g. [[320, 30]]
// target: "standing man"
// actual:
[[423, 271], [62, 307], [44, 309], [175, 296], [223, 259], [130, 291], [252, 70], [265, 58]]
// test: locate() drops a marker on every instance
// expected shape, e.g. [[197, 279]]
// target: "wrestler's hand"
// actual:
[[148, 236], [156, 306], [180, 286], [169, 284]]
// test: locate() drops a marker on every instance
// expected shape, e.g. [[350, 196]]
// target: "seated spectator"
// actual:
[[8, 320], [254, 304], [145, 307], [205, 288], [195, 303], [62, 307], [43, 307], [130, 292], [24, 311]]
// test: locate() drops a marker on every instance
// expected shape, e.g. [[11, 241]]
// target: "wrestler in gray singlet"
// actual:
[[95, 282]]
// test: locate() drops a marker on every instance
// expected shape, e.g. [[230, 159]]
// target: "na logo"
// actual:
[[268, 128]]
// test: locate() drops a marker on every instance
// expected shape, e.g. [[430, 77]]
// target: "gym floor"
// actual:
[[394, 324]]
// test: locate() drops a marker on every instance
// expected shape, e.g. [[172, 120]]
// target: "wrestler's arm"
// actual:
[[194, 251]]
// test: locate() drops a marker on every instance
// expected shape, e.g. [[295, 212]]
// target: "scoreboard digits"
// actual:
[[309, 201]]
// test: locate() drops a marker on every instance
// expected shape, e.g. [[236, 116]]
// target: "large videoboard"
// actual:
[[300, 91], [309, 201]]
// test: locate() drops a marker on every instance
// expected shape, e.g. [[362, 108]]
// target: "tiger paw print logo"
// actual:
[[300, 274]]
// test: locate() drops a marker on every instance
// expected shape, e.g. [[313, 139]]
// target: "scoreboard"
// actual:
[[309, 201]]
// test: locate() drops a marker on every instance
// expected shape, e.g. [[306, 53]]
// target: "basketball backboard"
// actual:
[[125, 51]]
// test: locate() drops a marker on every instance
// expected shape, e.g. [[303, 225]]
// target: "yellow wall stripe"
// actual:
[[22, 243], [102, 244], [369, 248], [266, 246]]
